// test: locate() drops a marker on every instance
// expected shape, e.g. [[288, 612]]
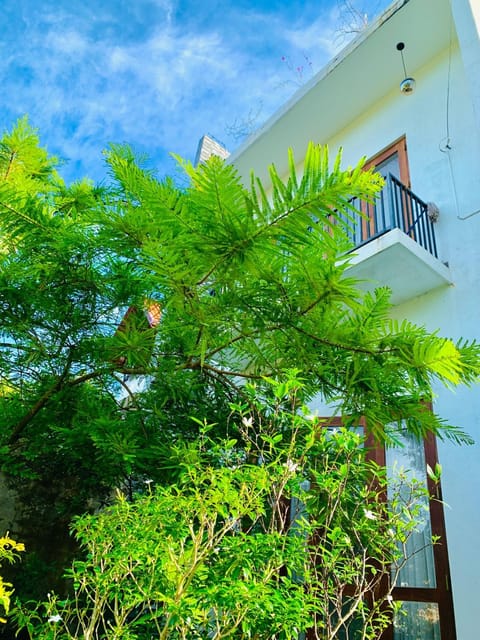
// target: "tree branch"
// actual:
[[37, 407], [10, 163], [254, 236], [338, 345], [44, 399], [225, 372]]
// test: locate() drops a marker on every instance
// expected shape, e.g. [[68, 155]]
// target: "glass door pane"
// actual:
[[417, 621], [390, 165], [386, 216], [382, 216], [404, 464]]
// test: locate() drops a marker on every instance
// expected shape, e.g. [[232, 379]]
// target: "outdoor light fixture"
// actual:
[[407, 85]]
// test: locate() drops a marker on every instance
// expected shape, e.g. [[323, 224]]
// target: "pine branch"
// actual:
[[344, 347], [225, 372], [22, 215]]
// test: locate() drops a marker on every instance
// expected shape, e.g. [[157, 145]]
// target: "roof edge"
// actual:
[[326, 70]]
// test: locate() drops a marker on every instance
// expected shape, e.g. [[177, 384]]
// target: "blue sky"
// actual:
[[158, 74]]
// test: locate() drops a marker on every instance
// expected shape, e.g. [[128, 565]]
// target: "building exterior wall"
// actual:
[[441, 123], [466, 14], [450, 178]]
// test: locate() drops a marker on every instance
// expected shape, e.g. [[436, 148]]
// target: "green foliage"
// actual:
[[250, 286], [261, 541], [9, 551]]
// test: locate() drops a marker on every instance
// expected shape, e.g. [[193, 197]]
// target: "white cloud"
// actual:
[[67, 43], [145, 73], [119, 59], [318, 40]]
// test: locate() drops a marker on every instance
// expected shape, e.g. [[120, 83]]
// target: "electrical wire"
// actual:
[[444, 144]]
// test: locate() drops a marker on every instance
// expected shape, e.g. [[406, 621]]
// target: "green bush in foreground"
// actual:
[[250, 281], [9, 551], [281, 528]]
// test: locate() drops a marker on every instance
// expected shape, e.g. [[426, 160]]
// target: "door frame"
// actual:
[[398, 147], [441, 594]]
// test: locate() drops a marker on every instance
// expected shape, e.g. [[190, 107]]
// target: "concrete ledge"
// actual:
[[397, 261]]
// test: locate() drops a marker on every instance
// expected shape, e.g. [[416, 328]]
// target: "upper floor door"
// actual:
[[379, 216], [393, 159]]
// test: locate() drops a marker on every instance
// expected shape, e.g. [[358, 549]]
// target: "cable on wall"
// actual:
[[445, 144]]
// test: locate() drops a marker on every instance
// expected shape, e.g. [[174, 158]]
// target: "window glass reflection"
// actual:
[[404, 464], [417, 621]]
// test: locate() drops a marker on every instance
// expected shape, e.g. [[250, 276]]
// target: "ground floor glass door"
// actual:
[[423, 583]]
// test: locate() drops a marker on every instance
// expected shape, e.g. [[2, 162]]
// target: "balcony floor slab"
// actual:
[[397, 261]]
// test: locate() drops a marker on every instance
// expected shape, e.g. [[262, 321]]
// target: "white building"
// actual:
[[430, 140]]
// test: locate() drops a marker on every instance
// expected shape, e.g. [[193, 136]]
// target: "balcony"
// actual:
[[395, 244]]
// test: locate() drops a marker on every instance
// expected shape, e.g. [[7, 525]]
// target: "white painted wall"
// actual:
[[451, 179], [466, 14]]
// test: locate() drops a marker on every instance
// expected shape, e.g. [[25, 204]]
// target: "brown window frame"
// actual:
[[399, 147], [441, 594]]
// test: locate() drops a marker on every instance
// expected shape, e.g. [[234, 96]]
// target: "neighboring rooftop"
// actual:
[[208, 147]]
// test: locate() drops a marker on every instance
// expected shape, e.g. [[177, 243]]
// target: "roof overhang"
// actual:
[[360, 75]]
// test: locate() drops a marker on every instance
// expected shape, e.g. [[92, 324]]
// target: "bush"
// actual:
[[281, 528]]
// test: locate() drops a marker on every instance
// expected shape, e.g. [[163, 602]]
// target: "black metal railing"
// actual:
[[396, 207]]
